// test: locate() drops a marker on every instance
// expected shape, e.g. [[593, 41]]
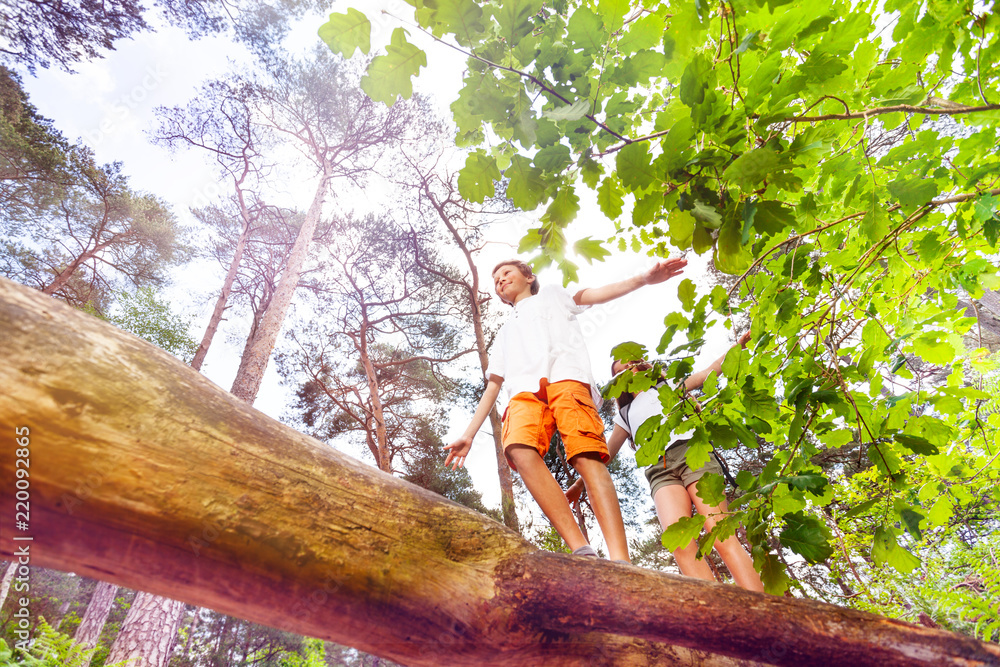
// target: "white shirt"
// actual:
[[540, 340], [646, 405]]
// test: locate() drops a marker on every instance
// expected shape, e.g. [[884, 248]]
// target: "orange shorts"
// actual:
[[532, 418]]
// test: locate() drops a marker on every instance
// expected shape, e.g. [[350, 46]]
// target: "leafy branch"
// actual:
[[513, 70], [905, 108]]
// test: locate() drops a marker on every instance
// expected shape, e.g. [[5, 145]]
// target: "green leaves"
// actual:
[[475, 181], [934, 347], [913, 192], [807, 536], [388, 76], [574, 111], [345, 33], [585, 30], [686, 292], [644, 33], [750, 169], [563, 208], [681, 533], [514, 18], [886, 551], [463, 18], [730, 255], [985, 212], [633, 165], [916, 444], [628, 352], [590, 249], [610, 198], [527, 184], [711, 489]]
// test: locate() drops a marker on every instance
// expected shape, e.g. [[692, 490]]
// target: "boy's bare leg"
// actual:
[[604, 500], [547, 493]]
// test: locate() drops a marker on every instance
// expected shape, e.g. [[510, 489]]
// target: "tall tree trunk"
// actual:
[[89, 632], [147, 635], [253, 335], [64, 607], [8, 577], [312, 541], [378, 414], [195, 623], [220, 304], [507, 505], [247, 382], [223, 634]]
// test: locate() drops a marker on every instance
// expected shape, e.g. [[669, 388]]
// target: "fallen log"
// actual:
[[145, 474]]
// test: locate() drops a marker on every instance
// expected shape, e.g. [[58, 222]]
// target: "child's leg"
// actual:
[[733, 554], [604, 500], [673, 503], [547, 493], [582, 434]]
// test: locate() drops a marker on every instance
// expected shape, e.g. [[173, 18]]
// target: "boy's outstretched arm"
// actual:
[[458, 450], [695, 380], [591, 296]]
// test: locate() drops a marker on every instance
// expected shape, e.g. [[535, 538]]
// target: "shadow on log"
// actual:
[[145, 474]]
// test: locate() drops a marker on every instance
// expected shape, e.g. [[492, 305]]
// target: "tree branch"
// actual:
[[904, 108]]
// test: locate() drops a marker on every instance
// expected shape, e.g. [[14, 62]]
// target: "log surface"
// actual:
[[146, 474]]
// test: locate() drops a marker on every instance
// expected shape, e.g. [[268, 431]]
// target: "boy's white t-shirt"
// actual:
[[542, 339], [643, 407]]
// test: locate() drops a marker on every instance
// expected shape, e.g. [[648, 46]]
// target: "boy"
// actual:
[[540, 356]]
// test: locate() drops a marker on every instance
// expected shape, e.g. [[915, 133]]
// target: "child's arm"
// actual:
[[458, 450], [590, 296], [615, 442], [695, 380]]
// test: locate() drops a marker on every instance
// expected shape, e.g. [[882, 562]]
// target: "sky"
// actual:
[[109, 105]]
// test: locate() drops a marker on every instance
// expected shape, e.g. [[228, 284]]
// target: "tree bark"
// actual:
[[147, 635], [8, 577], [252, 366], [507, 506], [381, 437], [89, 632], [63, 276], [195, 622], [208, 501], [220, 304]]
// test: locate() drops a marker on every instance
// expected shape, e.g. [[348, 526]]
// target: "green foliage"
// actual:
[[313, 654], [143, 314], [51, 648], [389, 76], [345, 33]]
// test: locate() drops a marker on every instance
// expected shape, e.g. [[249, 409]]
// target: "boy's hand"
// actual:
[[574, 492], [664, 271], [744, 339], [457, 451]]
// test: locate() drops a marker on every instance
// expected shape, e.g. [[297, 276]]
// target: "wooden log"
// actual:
[[144, 473]]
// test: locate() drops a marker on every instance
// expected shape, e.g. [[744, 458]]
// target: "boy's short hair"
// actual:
[[523, 268]]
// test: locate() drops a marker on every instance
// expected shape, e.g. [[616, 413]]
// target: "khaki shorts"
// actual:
[[672, 468], [532, 418]]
